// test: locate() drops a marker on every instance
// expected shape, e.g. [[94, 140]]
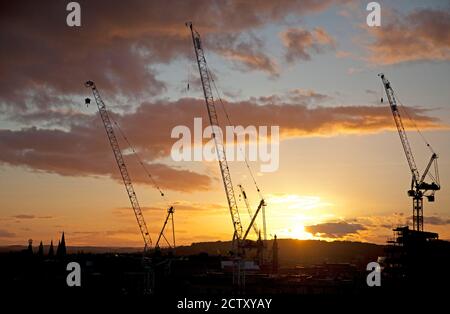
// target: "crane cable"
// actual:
[[405, 111], [229, 122], [408, 116], [138, 158]]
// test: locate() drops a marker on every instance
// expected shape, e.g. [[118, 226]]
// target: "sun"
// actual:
[[290, 213], [297, 232]]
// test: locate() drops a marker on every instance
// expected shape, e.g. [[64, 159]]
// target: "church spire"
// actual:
[[30, 247], [51, 251], [41, 250], [61, 250]]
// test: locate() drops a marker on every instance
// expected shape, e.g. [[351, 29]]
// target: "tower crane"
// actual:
[[249, 209], [170, 212], [419, 188], [220, 148], [239, 237], [121, 164], [262, 203]]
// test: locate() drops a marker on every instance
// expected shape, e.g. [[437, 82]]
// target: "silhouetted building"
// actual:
[[30, 247], [41, 250], [51, 251], [61, 249], [275, 255], [416, 258], [260, 250]]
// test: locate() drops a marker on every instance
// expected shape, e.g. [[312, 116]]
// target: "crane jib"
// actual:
[[419, 188], [121, 164], [214, 121]]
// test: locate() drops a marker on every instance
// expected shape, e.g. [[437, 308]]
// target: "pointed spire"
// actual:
[[61, 250], [41, 250], [30, 247], [275, 255], [51, 251], [260, 249]]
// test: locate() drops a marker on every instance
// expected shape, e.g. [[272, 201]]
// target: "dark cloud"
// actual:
[[183, 206], [334, 229], [420, 36], [120, 232], [247, 53], [430, 220], [82, 149], [28, 216], [6, 234], [301, 43], [306, 96], [119, 43], [435, 220], [24, 216]]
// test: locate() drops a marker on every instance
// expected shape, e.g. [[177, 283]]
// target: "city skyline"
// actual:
[[310, 68]]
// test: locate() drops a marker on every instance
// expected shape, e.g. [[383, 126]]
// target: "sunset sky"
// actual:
[[309, 67]]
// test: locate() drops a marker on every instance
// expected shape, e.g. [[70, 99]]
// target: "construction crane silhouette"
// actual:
[[121, 164], [170, 212], [170, 209], [419, 188], [249, 209], [214, 122], [239, 237]]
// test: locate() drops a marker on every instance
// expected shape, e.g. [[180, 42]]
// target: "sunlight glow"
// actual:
[[294, 201], [290, 213], [297, 232]]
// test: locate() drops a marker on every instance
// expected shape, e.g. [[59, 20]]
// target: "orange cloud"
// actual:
[[6, 234], [246, 52], [76, 153], [253, 61], [82, 149], [301, 44], [420, 36]]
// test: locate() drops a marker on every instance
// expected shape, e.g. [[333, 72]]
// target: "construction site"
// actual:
[[412, 257], [253, 261]]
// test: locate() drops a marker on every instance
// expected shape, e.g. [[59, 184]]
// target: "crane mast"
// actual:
[[419, 187], [252, 222], [170, 212], [214, 122], [249, 209], [401, 129], [121, 164]]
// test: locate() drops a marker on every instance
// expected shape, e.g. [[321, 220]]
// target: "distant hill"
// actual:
[[292, 252]]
